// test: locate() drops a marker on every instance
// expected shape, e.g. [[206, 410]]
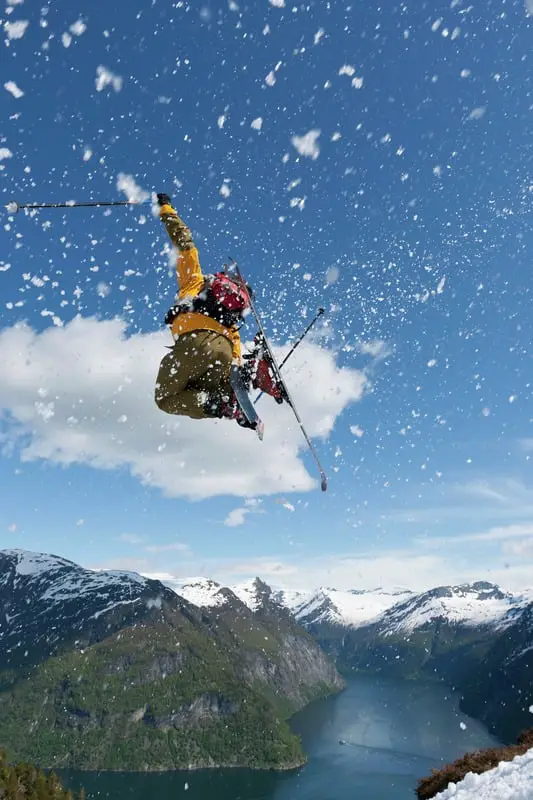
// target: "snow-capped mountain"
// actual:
[[395, 610], [206, 593], [348, 609], [35, 586], [201, 592], [470, 605], [75, 641]]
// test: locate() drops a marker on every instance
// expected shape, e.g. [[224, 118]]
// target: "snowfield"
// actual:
[[510, 780], [200, 592], [473, 605], [351, 609]]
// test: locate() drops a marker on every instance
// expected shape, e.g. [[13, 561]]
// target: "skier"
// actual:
[[194, 377]]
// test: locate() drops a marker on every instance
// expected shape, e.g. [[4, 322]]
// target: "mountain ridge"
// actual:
[[99, 667], [446, 633]]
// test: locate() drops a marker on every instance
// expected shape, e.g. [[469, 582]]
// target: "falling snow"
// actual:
[[307, 145], [12, 87]]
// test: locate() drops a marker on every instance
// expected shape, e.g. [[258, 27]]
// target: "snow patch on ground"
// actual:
[[510, 780], [248, 594], [29, 563]]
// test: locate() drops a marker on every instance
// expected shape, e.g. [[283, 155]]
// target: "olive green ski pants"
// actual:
[[198, 363]]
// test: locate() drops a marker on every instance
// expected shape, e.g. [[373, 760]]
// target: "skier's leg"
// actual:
[[181, 366], [196, 368], [216, 353]]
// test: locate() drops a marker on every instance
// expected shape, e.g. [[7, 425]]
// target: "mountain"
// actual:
[[350, 609], [449, 634], [347, 609], [328, 614], [504, 699], [110, 670]]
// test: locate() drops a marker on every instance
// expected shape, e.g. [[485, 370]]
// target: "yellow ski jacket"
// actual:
[[191, 281]]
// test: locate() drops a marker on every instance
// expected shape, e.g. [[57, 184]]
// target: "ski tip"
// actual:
[[324, 483]]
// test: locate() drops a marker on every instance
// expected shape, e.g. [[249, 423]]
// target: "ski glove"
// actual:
[[164, 200]]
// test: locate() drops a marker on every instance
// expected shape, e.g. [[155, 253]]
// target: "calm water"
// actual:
[[394, 733]]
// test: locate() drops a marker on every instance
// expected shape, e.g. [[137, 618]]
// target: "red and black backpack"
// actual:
[[222, 298]]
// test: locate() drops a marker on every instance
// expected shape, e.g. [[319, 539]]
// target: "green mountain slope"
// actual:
[[170, 685]]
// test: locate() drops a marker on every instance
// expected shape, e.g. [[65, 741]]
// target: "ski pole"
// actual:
[[295, 345], [13, 206], [323, 477], [304, 334]]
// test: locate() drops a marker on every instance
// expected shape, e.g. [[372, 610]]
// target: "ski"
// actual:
[[263, 342], [245, 404]]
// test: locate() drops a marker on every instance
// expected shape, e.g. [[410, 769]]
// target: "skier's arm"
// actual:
[[189, 272]]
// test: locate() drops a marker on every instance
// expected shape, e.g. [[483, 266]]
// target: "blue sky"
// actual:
[[376, 161]]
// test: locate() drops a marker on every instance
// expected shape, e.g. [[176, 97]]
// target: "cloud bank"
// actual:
[[83, 394]]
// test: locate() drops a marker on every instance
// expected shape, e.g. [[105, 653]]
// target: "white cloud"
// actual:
[[104, 77], [307, 144], [236, 517], [97, 375], [484, 490], [496, 534], [12, 87], [389, 569], [130, 538], [179, 547], [522, 547], [17, 29]]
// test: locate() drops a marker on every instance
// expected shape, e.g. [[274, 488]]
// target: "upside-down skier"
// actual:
[[194, 377], [203, 375]]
